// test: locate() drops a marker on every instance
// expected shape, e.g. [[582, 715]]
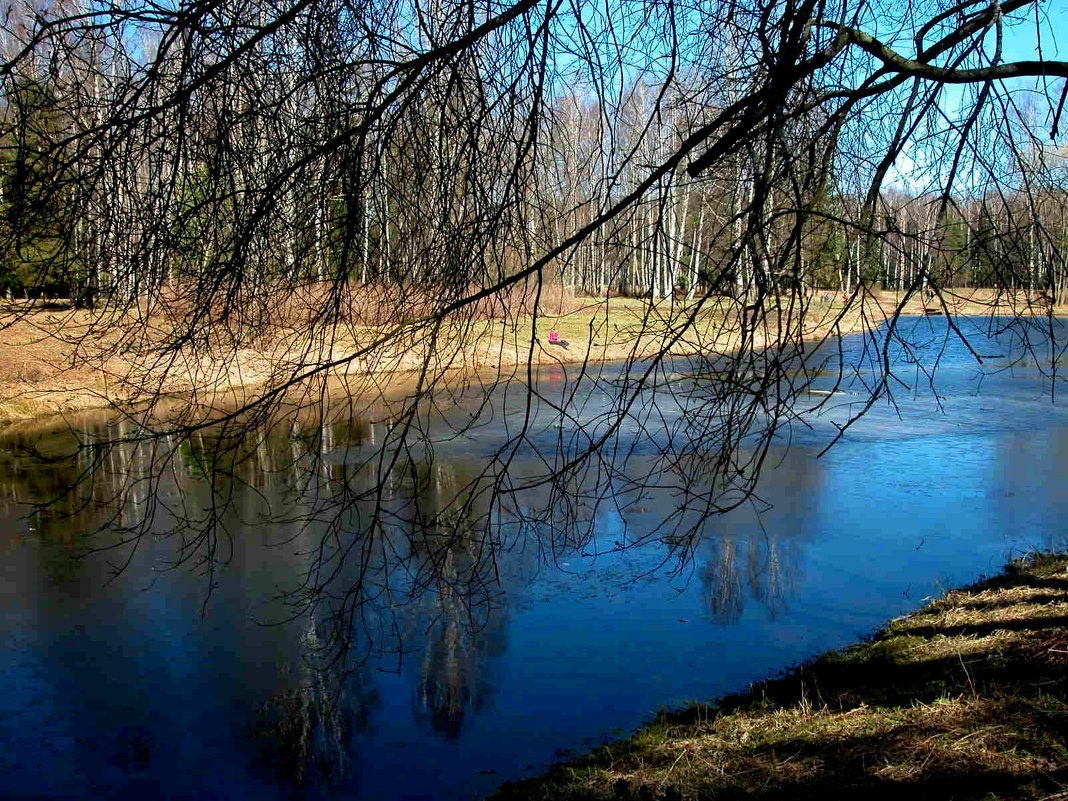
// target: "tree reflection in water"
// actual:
[[398, 555], [768, 567], [460, 610], [304, 731], [757, 553], [382, 568]]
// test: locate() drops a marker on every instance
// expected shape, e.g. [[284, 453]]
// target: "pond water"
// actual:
[[469, 661]]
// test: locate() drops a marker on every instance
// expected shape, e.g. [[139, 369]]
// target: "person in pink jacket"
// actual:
[[554, 339]]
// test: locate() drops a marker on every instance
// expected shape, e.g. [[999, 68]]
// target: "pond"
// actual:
[[249, 639]]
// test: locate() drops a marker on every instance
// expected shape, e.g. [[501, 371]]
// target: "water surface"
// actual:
[[477, 660]]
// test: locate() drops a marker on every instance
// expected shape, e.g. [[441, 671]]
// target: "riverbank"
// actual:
[[966, 698], [55, 359]]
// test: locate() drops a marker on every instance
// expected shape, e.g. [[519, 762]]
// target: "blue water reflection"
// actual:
[[137, 682]]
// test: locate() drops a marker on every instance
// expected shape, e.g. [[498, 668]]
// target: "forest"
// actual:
[[211, 150]]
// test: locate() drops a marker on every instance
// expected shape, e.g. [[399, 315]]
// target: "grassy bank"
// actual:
[[61, 359], [964, 699], [57, 359]]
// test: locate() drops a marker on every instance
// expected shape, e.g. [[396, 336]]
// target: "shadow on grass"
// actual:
[[986, 629]]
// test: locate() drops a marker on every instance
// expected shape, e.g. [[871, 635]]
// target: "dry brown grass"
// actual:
[[57, 360]]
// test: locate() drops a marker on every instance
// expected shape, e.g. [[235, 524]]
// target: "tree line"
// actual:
[[229, 147]]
